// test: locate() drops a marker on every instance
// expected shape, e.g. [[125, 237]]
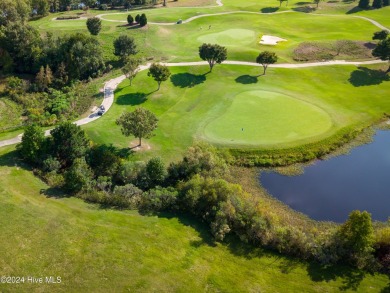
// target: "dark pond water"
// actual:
[[330, 190]]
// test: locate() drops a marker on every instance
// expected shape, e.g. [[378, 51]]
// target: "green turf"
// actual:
[[191, 99], [263, 118], [230, 37], [240, 32], [94, 249]]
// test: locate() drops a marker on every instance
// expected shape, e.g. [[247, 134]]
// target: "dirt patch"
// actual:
[[134, 145], [341, 49]]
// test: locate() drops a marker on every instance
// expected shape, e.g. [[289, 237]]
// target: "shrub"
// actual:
[[137, 18], [78, 177], [159, 199], [128, 172], [143, 20], [130, 19], [128, 196], [152, 175]]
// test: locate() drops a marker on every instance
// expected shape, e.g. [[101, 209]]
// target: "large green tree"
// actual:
[[357, 236], [12, 11], [94, 25], [213, 54], [31, 145], [159, 73], [124, 46], [266, 58], [380, 35], [382, 51], [23, 44], [140, 123], [68, 142], [131, 68], [364, 4]]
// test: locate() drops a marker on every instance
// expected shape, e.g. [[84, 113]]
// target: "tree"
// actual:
[[317, 2], [137, 17], [357, 235], [364, 4], [159, 73], [82, 56], [143, 20], [139, 123], [382, 51], [61, 75], [68, 142], [130, 19], [281, 1], [266, 58], [40, 79], [78, 176], [152, 175], [12, 11], [377, 3], [386, 2], [212, 54], [124, 46], [48, 75], [30, 148], [131, 68], [23, 44], [381, 35], [94, 25]]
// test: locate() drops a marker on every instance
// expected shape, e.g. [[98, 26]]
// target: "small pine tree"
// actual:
[[386, 2], [377, 3], [137, 17], [48, 75], [364, 4], [143, 20], [130, 19], [61, 74], [40, 79]]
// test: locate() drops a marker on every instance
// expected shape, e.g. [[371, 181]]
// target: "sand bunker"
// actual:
[[270, 40]]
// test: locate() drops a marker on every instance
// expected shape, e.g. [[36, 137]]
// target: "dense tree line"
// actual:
[[195, 185]]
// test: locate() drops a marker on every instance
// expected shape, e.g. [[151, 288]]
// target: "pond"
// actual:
[[329, 190]]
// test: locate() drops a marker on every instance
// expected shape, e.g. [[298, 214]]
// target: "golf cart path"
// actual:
[[112, 84]]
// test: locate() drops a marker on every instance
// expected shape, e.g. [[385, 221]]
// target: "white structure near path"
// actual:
[[270, 40]]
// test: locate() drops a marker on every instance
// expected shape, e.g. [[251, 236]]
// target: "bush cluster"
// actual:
[[195, 185]]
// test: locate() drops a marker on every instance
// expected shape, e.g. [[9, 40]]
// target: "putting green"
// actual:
[[231, 37], [261, 117]]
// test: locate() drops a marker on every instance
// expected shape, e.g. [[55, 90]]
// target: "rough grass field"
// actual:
[[94, 249], [192, 99]]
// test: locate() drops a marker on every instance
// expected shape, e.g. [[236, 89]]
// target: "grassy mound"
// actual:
[[259, 117]]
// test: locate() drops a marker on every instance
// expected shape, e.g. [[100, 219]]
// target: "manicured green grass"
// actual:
[[191, 99], [261, 118], [239, 32], [381, 15], [94, 249]]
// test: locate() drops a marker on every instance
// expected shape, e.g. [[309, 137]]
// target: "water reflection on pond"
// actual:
[[330, 190]]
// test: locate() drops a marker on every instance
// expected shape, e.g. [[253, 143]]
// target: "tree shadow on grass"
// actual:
[[187, 220], [305, 9], [246, 79], [364, 77], [354, 10], [132, 99], [303, 3], [189, 80], [11, 159], [351, 277], [269, 9], [54, 192]]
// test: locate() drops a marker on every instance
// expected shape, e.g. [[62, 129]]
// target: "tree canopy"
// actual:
[[159, 73], [124, 46], [94, 25], [212, 54], [266, 58], [140, 123], [131, 68], [382, 51]]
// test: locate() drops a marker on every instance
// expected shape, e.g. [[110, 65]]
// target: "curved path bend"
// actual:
[[111, 85]]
